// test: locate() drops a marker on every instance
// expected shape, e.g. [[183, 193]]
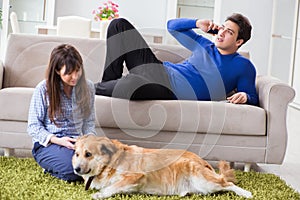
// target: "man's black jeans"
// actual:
[[147, 78]]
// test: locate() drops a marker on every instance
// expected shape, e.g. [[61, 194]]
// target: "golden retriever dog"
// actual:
[[113, 167]]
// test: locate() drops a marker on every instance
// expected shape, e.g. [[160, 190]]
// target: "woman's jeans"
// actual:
[[56, 160]]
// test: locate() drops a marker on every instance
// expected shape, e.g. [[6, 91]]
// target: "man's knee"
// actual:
[[119, 21], [120, 25]]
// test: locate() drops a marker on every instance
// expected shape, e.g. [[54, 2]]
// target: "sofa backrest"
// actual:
[[27, 57]]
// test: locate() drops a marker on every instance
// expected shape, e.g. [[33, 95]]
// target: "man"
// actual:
[[212, 71]]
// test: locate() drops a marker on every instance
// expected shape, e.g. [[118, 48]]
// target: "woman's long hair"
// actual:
[[66, 55]]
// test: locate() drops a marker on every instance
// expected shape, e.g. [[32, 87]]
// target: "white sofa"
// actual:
[[214, 130]]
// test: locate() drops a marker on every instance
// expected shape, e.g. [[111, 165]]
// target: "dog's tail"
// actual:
[[226, 172]]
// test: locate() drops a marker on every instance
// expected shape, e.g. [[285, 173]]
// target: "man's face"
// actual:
[[226, 40]]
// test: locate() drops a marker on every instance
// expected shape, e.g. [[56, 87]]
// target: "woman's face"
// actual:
[[70, 79]]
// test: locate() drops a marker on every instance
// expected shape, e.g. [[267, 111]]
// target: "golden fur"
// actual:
[[119, 168]]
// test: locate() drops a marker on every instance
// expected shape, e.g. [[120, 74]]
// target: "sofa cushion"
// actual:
[[211, 117], [24, 69], [14, 103], [171, 53]]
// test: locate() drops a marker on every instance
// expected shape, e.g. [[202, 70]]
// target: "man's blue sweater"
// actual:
[[207, 74]]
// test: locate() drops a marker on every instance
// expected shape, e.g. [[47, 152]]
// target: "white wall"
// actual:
[[142, 13], [28, 11], [75, 7], [1, 4], [4, 30], [154, 14], [260, 15]]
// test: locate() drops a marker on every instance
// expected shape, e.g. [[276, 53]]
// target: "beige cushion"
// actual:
[[245, 54], [24, 69], [171, 53], [16, 102], [211, 117]]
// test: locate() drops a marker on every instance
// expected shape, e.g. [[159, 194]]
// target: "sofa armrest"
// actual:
[[1, 74], [274, 97]]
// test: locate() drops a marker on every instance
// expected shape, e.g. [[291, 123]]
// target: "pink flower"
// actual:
[[109, 10]]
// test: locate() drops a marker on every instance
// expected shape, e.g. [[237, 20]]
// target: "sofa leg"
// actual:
[[247, 167], [8, 151]]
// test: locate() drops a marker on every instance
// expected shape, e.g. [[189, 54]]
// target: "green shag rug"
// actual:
[[22, 178]]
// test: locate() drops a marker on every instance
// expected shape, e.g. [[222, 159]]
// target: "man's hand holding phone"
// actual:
[[207, 26]]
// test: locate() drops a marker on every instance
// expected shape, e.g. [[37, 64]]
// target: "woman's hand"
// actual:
[[238, 98], [206, 25], [64, 141]]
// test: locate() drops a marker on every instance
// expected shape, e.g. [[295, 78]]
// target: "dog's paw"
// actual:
[[247, 194], [96, 195], [182, 194], [99, 195]]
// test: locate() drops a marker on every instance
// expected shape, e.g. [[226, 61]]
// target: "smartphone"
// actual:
[[213, 31]]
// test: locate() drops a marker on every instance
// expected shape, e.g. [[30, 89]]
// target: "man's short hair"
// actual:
[[244, 26]]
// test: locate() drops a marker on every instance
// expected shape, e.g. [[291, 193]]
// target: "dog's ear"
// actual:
[[108, 149], [84, 136], [117, 143], [120, 145]]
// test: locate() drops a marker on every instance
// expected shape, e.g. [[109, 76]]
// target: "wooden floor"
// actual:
[[288, 171]]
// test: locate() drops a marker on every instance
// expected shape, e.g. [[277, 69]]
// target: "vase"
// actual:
[[103, 28]]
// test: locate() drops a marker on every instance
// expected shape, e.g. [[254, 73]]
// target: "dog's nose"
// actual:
[[78, 169]]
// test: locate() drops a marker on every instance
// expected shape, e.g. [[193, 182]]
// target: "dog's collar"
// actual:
[[88, 183]]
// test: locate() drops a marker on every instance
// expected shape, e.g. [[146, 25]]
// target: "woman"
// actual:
[[61, 109]]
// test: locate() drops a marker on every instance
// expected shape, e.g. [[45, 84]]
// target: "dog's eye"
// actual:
[[88, 154], [77, 154]]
